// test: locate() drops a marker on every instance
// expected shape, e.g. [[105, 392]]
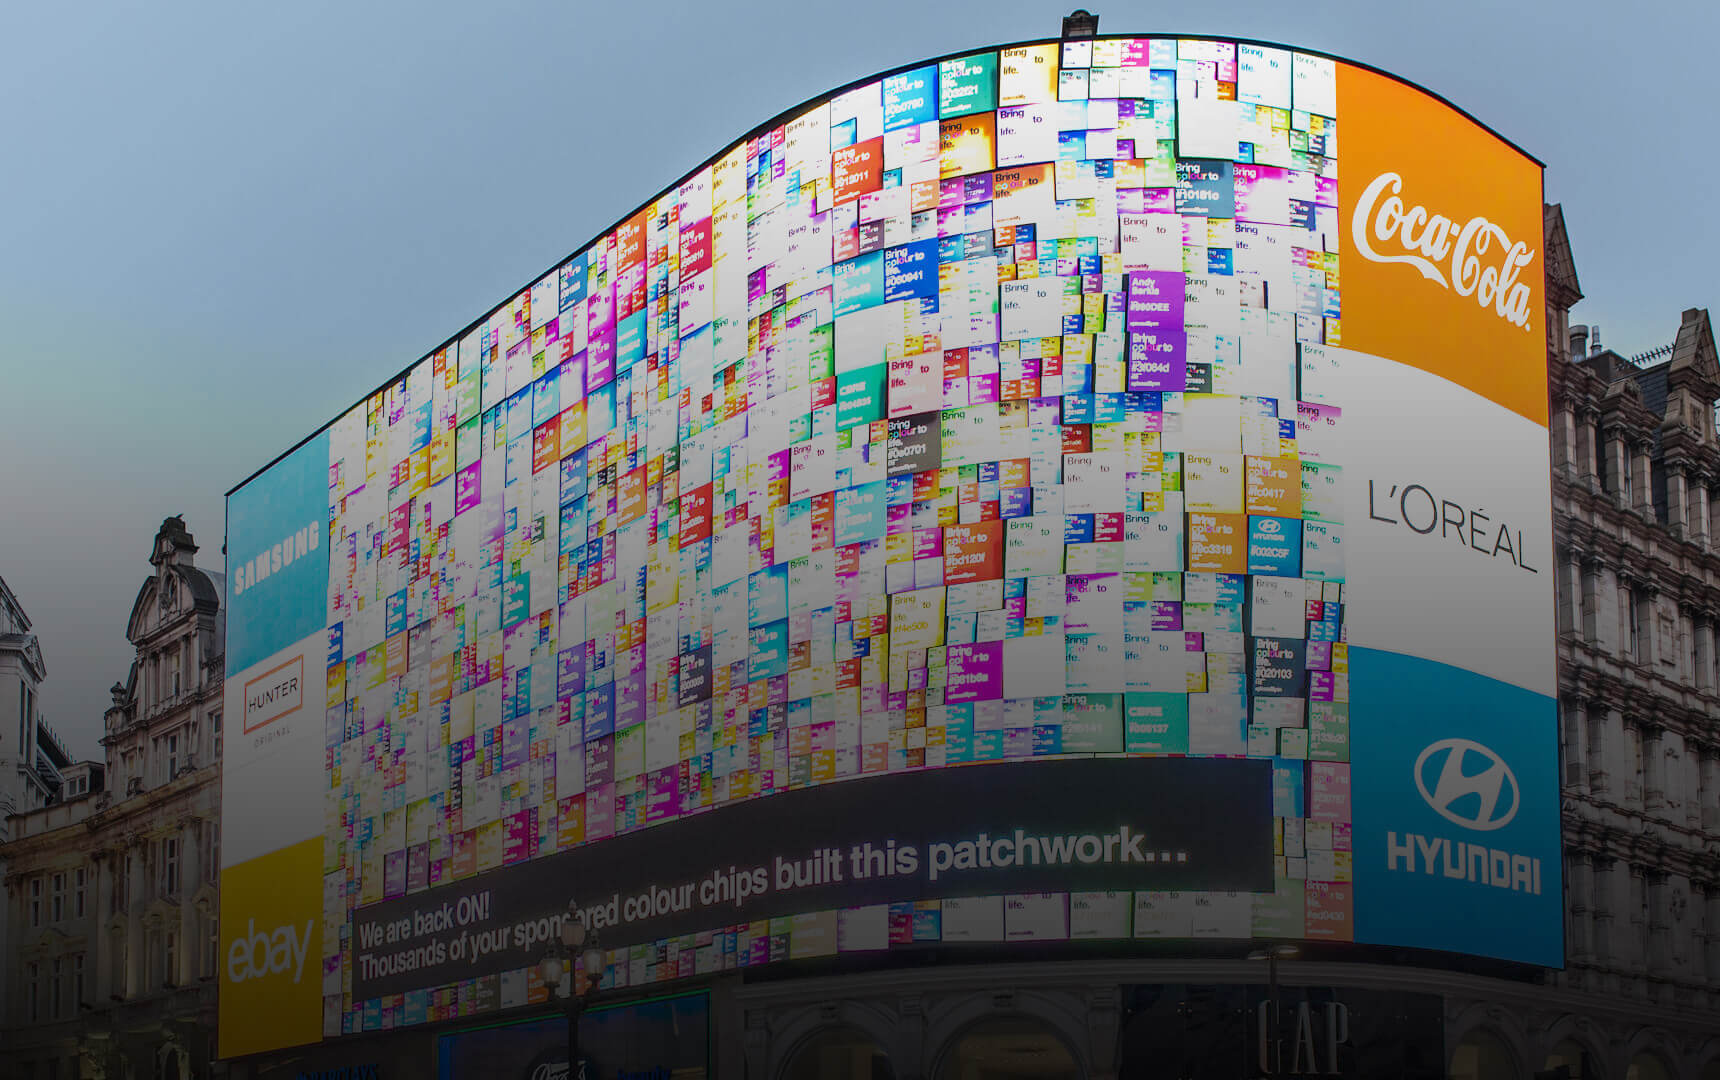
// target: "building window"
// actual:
[[35, 903], [211, 946], [1665, 639], [170, 958], [122, 884], [1639, 913], [118, 953], [996, 1047], [80, 879], [1482, 1055], [167, 749], [1633, 601], [211, 851], [33, 990], [838, 1054], [57, 898], [173, 659], [56, 989], [77, 982], [1636, 760], [169, 866]]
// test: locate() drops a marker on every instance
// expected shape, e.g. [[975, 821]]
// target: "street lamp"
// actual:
[[1272, 954], [574, 940]]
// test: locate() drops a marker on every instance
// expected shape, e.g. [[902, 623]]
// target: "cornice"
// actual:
[[123, 823]]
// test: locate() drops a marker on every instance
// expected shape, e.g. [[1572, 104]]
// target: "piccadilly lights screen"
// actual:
[[1070, 491]]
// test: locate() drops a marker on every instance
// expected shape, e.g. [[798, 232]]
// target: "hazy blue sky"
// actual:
[[220, 225]]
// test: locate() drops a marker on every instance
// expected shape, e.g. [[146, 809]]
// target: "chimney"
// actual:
[[1080, 24], [1595, 340], [1579, 341]]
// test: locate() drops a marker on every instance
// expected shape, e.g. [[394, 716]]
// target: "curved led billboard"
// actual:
[[1063, 491]]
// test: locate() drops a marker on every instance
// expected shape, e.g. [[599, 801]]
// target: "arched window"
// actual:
[[169, 1064], [1647, 1065], [839, 1054], [1008, 1048], [1577, 1063], [1483, 1055]]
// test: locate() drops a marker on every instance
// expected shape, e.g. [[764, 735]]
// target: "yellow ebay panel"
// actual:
[[271, 951]]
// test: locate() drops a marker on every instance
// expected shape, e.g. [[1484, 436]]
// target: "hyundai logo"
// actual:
[[1461, 769], [1270, 525]]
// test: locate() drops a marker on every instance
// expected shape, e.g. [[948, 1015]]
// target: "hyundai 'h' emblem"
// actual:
[[1471, 785]]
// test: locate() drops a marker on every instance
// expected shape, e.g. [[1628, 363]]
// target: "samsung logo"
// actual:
[[277, 557]]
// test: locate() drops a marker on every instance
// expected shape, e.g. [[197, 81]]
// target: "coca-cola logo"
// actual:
[[1476, 258]]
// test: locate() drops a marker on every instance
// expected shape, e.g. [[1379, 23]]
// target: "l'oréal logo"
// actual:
[[1481, 260]]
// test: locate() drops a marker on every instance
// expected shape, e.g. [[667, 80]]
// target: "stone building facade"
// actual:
[[1636, 512], [111, 970], [32, 757]]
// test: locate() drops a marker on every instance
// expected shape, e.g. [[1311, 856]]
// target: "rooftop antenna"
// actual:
[[1080, 23]]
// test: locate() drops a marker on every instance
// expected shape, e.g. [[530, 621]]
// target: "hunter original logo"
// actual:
[[276, 693], [1471, 785], [1474, 258]]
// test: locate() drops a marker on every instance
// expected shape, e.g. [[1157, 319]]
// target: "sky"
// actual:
[[222, 225]]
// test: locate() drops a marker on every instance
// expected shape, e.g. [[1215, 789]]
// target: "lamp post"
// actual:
[[1272, 954], [574, 940]]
